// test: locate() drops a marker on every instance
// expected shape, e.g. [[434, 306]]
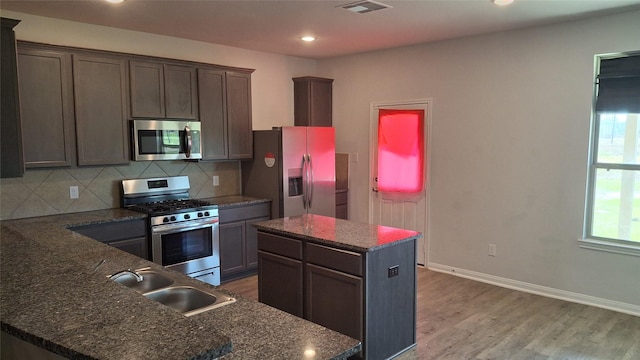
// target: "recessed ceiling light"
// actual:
[[114, 1], [502, 2], [308, 38]]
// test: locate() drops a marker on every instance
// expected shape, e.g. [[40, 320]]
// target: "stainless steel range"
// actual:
[[184, 231]]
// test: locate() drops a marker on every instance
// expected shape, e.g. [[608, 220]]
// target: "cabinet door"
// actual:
[[11, 163], [213, 113], [101, 110], [335, 300], [46, 108], [232, 248], [147, 89], [180, 91], [251, 235], [135, 246], [312, 101], [280, 282], [240, 130]]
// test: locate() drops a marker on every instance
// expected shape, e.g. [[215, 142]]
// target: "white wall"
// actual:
[[272, 87], [511, 115]]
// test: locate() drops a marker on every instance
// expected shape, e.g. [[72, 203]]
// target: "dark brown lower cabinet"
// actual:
[[354, 293], [334, 300], [127, 235], [280, 282], [239, 239]]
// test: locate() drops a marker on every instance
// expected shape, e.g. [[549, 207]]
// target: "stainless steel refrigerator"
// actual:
[[294, 166]]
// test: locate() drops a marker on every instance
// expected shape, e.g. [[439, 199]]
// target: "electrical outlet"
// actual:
[[394, 271], [216, 180], [492, 250], [73, 192]]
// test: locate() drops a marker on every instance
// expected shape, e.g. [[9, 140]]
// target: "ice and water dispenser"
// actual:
[[295, 182]]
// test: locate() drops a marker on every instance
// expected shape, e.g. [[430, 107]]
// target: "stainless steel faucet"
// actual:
[[124, 272]]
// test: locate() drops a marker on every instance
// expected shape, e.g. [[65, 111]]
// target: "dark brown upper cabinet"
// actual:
[[312, 101], [101, 110], [46, 86], [11, 163], [163, 91], [225, 114]]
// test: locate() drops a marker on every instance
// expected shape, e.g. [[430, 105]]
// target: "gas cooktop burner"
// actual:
[[169, 206]]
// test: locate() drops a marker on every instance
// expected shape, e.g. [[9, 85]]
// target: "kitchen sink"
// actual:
[[189, 300], [151, 280], [186, 299]]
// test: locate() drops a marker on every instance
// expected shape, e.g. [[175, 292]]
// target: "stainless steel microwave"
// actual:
[[166, 140]]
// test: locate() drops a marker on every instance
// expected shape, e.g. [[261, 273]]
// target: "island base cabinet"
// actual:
[[280, 282], [369, 296], [334, 300], [390, 310]]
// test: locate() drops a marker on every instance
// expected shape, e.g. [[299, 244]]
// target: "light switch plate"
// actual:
[[216, 180], [73, 192]]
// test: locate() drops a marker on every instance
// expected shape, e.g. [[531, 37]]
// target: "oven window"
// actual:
[[187, 245]]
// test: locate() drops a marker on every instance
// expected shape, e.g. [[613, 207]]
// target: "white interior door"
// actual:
[[401, 210]]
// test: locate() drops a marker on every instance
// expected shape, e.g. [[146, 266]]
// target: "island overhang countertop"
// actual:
[[344, 234]]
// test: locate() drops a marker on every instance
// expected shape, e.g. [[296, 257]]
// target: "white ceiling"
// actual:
[[275, 26]]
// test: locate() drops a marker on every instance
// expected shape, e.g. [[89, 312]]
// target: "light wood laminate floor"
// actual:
[[460, 319]]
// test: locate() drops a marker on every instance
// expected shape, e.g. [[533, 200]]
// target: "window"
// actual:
[[613, 204], [401, 150]]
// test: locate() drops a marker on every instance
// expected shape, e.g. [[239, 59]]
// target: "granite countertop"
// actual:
[[235, 200], [344, 234], [52, 296]]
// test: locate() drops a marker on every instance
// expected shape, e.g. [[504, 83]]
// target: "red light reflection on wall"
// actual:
[[400, 150]]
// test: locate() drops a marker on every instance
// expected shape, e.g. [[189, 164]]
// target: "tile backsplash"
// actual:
[[46, 192]]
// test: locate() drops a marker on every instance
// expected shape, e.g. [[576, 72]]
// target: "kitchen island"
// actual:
[[355, 278], [55, 295]]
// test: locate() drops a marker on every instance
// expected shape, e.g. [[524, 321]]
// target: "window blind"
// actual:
[[618, 83]]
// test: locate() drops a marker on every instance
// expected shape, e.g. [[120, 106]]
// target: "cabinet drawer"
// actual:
[[337, 259], [244, 212], [280, 245]]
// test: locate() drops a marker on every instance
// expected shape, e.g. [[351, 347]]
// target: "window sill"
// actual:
[[609, 246]]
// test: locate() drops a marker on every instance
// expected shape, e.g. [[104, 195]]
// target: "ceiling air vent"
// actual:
[[366, 6]]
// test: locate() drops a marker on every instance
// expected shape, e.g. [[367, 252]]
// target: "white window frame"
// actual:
[[590, 241]]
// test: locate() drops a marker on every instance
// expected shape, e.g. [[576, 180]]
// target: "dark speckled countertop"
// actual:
[[235, 200], [344, 234], [52, 297]]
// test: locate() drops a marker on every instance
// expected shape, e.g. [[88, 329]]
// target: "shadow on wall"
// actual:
[[46, 192]]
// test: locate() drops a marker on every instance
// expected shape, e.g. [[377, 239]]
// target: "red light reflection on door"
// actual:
[[400, 150]]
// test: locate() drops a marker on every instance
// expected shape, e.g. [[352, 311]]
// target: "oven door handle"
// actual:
[[191, 225]]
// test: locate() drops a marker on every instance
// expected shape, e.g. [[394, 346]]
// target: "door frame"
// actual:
[[427, 104]]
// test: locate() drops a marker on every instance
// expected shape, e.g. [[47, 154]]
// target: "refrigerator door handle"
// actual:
[[311, 181], [305, 180]]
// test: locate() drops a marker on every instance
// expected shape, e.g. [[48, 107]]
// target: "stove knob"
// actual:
[[173, 218], [200, 214], [206, 213], [187, 216], [165, 220]]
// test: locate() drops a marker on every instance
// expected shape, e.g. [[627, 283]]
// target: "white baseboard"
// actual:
[[618, 306]]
